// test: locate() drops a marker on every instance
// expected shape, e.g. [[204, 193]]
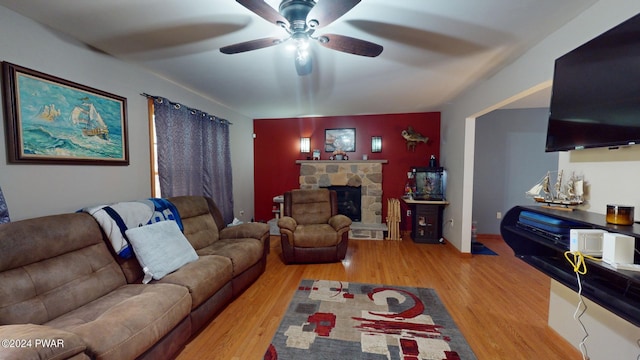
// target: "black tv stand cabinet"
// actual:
[[615, 290]]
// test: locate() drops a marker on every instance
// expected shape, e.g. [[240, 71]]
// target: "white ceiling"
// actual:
[[433, 50]]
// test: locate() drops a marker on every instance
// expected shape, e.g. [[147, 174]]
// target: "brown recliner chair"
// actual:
[[311, 229]]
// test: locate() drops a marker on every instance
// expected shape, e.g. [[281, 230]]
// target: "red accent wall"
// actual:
[[277, 147]]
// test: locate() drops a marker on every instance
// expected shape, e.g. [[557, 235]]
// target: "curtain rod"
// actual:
[[194, 111]]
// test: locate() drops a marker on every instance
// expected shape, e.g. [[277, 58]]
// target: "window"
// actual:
[[153, 142]]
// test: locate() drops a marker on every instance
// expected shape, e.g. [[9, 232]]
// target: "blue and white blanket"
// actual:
[[115, 219], [4, 211]]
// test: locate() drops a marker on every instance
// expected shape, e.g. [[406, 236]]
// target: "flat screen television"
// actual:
[[595, 99]]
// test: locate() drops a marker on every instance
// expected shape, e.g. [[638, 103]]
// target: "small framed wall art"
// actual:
[[340, 140]]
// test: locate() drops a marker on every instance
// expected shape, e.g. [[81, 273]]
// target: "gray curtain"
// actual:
[[193, 154], [4, 210]]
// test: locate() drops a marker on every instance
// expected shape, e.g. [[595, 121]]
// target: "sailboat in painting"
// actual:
[[86, 115], [48, 112], [568, 193]]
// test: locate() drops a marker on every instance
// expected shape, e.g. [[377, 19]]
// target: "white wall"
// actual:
[[610, 180], [509, 160], [610, 176], [36, 190]]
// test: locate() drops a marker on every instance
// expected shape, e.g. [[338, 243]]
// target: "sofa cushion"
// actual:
[[311, 206], [199, 224], [252, 230], [126, 322], [160, 248], [39, 342], [52, 265], [29, 241], [315, 235], [243, 253], [202, 277]]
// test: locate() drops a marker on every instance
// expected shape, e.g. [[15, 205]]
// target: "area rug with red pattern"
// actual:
[[341, 320]]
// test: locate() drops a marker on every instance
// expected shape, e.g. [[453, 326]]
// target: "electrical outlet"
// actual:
[[241, 212], [408, 213], [499, 215], [450, 222]]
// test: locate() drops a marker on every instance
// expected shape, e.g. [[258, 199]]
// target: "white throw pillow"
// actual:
[[161, 248]]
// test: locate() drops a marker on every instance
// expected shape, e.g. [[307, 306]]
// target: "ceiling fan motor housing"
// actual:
[[296, 11]]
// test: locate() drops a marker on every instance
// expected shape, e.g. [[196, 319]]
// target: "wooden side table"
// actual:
[[426, 216]]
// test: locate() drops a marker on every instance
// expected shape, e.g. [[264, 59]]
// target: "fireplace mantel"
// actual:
[[341, 161]]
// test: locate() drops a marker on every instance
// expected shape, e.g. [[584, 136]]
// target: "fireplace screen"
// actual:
[[349, 201]]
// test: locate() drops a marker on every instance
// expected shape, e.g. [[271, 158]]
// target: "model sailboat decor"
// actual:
[[569, 193]]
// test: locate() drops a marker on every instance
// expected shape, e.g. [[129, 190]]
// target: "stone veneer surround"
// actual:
[[366, 174]]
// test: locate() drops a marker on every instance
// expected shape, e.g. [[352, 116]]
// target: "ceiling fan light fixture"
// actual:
[[304, 63], [302, 44], [300, 40], [302, 55]]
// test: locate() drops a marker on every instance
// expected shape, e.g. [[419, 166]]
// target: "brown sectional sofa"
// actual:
[[65, 295]]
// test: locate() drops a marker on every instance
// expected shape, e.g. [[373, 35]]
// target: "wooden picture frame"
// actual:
[[340, 139], [50, 120]]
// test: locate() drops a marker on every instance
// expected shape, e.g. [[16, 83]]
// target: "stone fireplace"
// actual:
[[364, 174]]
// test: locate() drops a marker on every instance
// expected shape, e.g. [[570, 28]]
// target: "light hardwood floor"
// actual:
[[499, 303]]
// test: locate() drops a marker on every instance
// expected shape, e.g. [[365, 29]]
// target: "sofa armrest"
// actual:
[[246, 230], [30, 341], [287, 223], [339, 222]]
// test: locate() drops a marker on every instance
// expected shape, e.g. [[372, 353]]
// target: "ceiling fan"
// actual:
[[301, 18]]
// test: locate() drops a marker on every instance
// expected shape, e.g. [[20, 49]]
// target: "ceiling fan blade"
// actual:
[[265, 11], [350, 45], [327, 11], [250, 45]]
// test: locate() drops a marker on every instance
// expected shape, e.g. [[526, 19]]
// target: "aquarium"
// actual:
[[430, 183]]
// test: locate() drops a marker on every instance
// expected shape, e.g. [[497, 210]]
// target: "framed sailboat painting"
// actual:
[[54, 121]]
